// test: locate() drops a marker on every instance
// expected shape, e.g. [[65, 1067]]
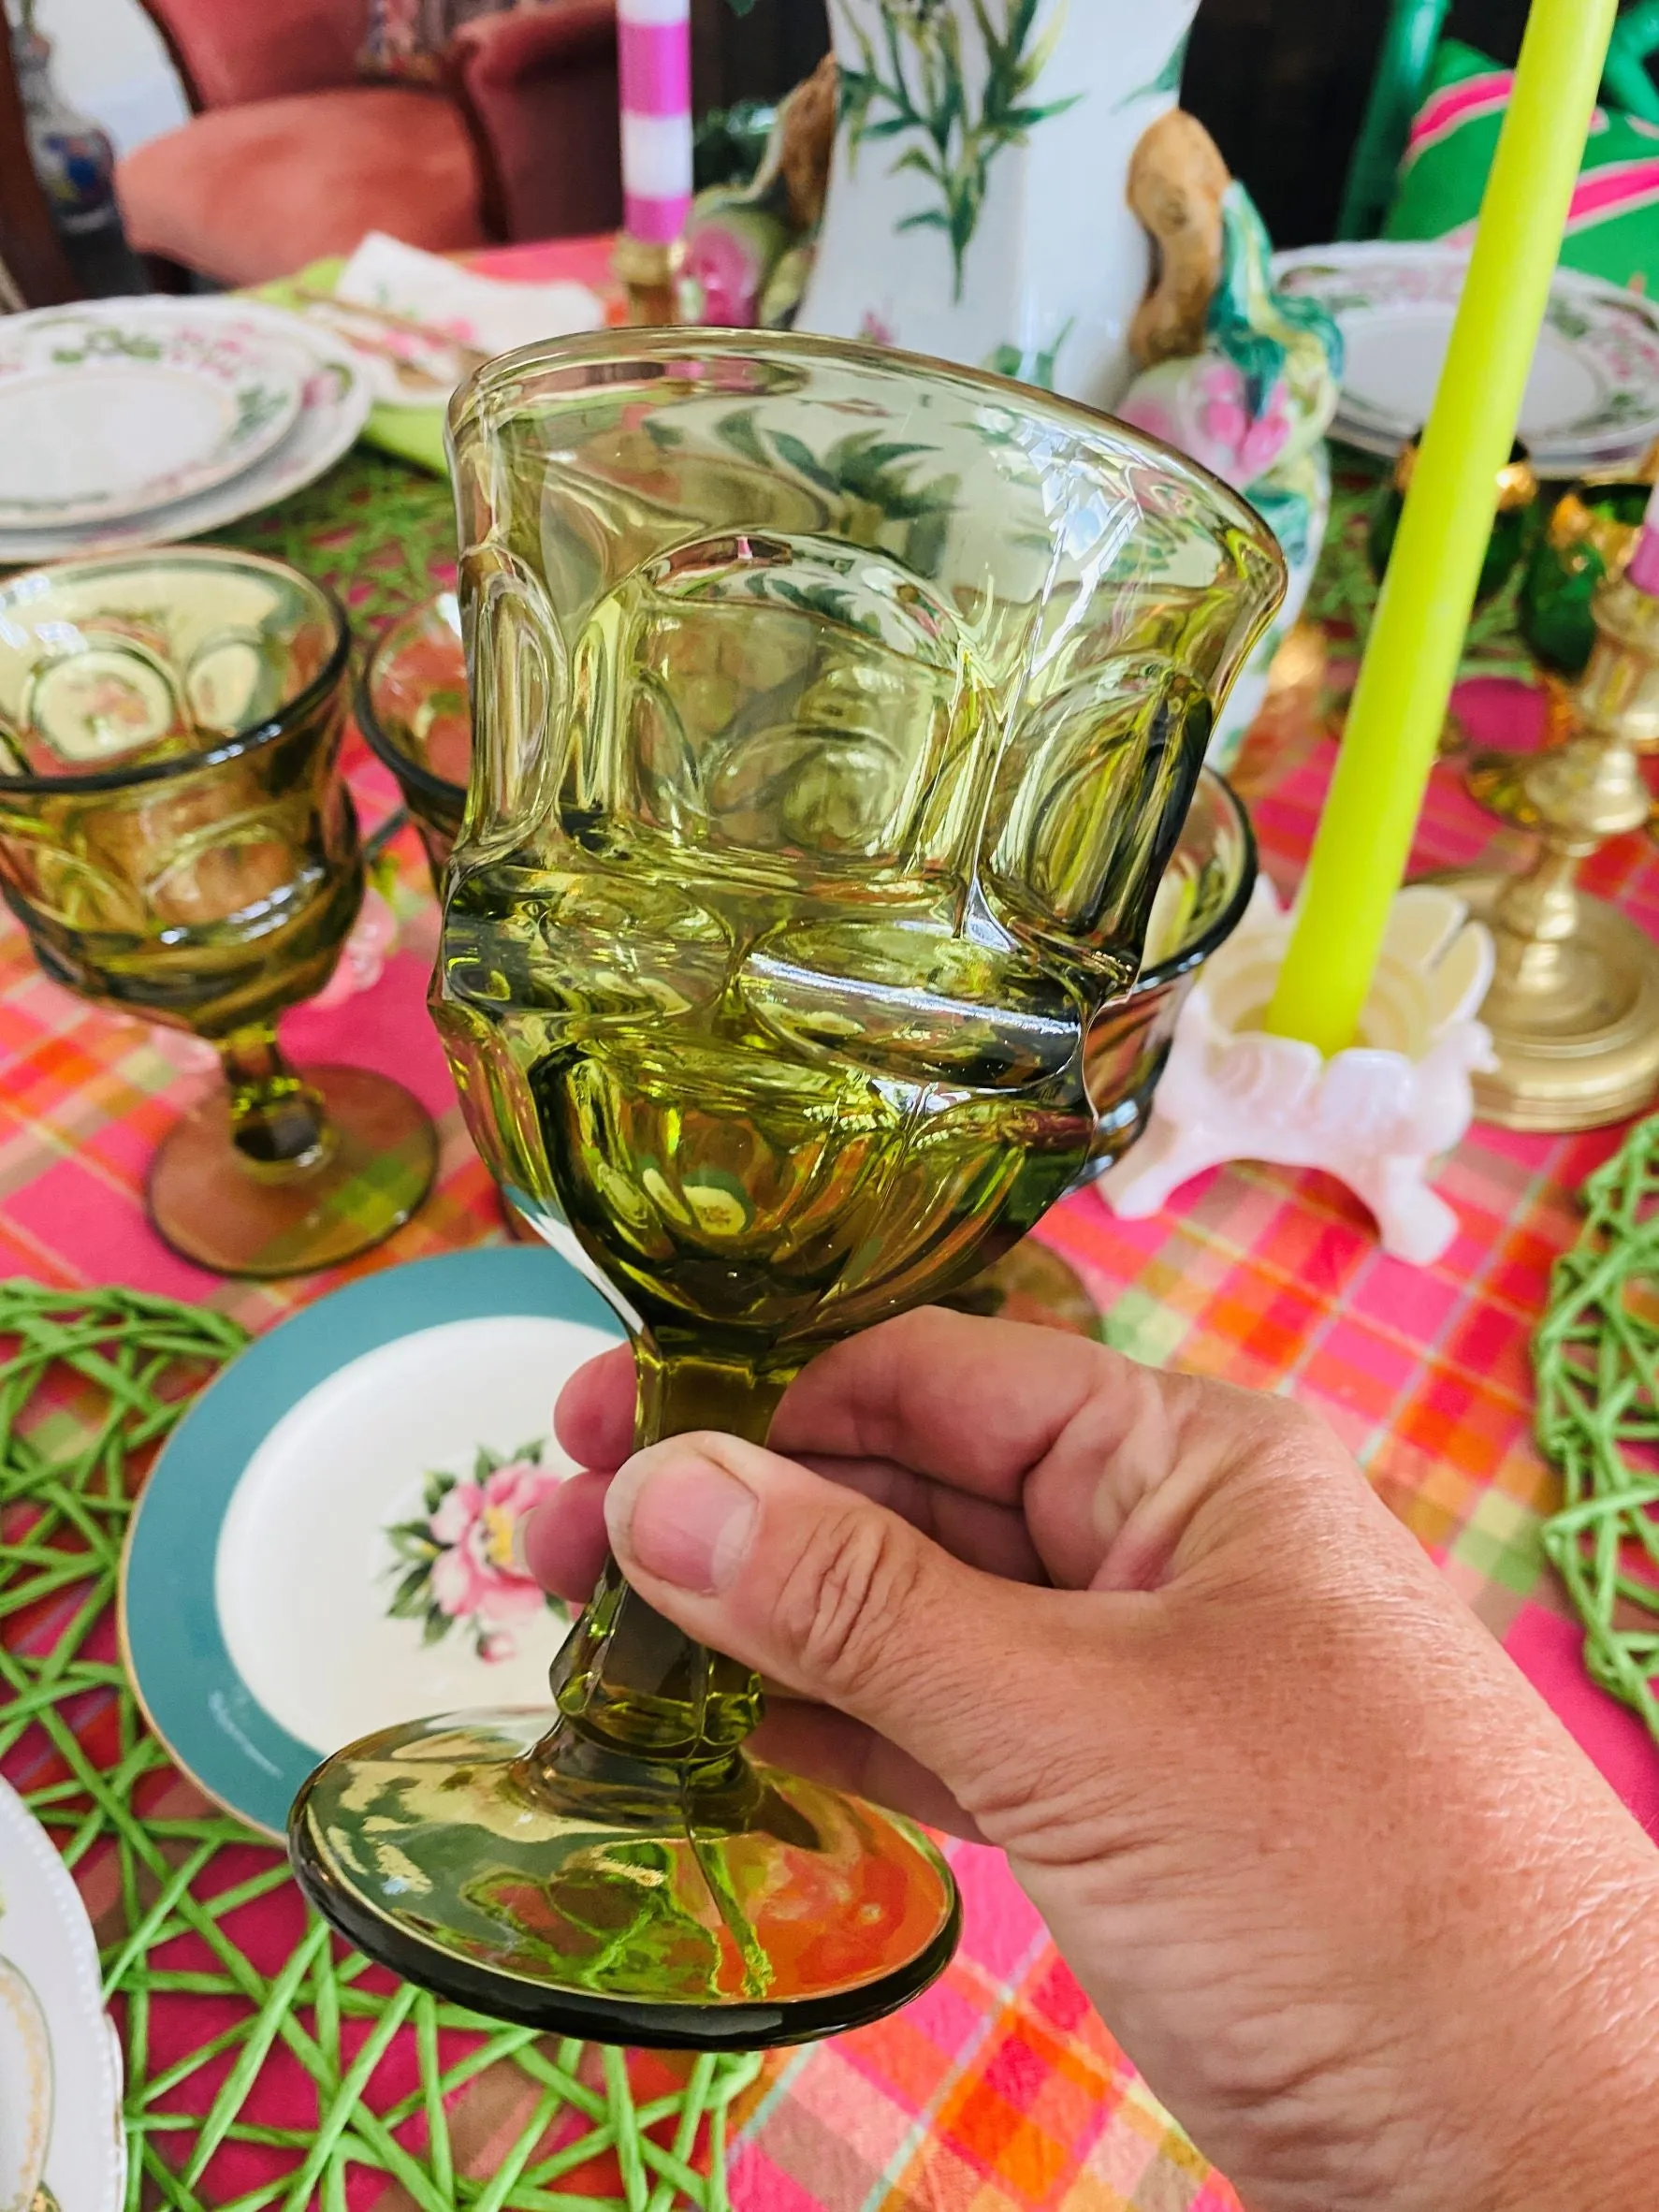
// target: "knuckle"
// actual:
[[842, 1604]]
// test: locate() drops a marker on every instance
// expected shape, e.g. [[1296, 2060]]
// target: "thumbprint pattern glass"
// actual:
[[175, 838], [412, 709], [834, 716]]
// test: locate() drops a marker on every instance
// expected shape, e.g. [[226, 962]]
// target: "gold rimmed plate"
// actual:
[[327, 1544]]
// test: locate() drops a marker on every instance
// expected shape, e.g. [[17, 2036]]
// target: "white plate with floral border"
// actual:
[[115, 411], [62, 2144], [326, 1545], [335, 399], [1594, 393]]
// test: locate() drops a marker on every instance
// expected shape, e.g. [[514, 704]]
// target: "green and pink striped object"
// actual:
[[1614, 229], [654, 63]]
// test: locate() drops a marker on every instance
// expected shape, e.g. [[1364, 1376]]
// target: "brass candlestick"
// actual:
[[650, 267], [1591, 534], [1574, 1005]]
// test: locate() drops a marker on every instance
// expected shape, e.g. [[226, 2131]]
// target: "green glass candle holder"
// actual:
[[1591, 534], [1515, 502]]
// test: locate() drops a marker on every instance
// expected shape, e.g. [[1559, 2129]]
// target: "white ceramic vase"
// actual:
[[978, 205]]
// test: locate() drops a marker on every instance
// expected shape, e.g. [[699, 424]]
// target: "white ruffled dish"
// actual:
[[334, 399], [60, 2135]]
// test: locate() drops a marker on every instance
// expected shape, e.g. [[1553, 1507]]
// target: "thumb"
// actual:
[[837, 1599]]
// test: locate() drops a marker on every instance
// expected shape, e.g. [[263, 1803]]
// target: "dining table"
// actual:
[[1000, 2090]]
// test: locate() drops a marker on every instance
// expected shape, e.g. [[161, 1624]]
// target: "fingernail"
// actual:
[[683, 1519]]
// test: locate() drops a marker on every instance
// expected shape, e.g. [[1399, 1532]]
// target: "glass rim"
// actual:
[[620, 343], [391, 756], [1191, 954], [257, 734]]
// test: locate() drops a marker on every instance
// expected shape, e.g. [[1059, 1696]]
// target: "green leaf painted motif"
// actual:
[[917, 88], [1166, 80], [409, 1601], [800, 456], [739, 431], [1028, 366], [863, 471], [1564, 318]]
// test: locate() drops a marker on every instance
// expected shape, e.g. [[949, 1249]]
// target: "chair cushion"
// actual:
[[246, 194]]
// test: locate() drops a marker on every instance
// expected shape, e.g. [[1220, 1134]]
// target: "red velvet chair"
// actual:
[[289, 156]]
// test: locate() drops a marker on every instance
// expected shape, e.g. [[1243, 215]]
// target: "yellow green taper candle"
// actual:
[[1399, 705]]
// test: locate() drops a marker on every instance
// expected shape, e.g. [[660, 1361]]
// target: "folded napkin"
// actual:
[[487, 313], [480, 311]]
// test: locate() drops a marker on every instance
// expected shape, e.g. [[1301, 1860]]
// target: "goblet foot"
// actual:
[[572, 1888], [216, 1205]]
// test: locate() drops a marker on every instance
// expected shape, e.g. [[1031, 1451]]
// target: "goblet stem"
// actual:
[[627, 1679], [277, 1120]]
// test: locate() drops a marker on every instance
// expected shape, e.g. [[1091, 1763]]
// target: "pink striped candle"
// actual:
[[654, 59]]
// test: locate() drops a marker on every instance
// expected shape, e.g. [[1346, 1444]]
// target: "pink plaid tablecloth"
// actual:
[[998, 2091]]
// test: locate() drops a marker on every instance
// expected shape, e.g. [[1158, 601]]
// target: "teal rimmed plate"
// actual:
[[327, 1544]]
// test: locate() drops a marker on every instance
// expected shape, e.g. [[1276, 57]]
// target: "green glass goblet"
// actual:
[[835, 715], [412, 709], [175, 838]]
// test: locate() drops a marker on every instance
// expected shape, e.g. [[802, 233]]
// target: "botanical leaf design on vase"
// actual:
[[1030, 364], [457, 1563], [915, 90], [1168, 79], [880, 490]]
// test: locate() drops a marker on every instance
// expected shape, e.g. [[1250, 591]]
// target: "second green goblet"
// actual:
[[176, 839]]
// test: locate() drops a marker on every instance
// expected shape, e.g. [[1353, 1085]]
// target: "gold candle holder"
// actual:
[[650, 271], [1574, 1005], [1583, 529]]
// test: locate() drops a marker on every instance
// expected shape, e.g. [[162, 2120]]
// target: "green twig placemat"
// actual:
[[265, 2065], [1596, 1356]]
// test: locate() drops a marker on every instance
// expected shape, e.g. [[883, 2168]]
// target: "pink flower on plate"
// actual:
[[1145, 414], [476, 1573], [457, 1561]]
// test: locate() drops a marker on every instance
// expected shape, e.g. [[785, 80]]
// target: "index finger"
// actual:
[[972, 1401], [969, 1401]]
